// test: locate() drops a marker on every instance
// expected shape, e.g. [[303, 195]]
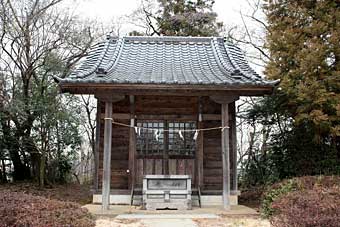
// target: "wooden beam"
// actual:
[[211, 117], [108, 97], [174, 89], [225, 158], [224, 99], [93, 90], [132, 144], [107, 156], [188, 117]]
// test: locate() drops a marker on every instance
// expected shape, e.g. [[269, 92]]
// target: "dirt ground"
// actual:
[[233, 222], [82, 194], [218, 222], [66, 192]]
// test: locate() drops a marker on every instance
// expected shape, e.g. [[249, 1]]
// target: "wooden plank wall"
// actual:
[[212, 156], [120, 149], [166, 105], [154, 105], [155, 167], [212, 161]]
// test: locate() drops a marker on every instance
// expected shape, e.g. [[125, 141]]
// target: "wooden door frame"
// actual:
[[165, 154]]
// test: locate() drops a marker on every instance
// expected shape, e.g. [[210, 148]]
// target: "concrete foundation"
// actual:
[[216, 200], [96, 209], [206, 200]]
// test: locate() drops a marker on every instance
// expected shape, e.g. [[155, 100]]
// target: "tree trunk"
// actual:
[[21, 172], [11, 143], [337, 147], [4, 177], [42, 171]]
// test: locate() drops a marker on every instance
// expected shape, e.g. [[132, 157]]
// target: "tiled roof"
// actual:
[[165, 60]]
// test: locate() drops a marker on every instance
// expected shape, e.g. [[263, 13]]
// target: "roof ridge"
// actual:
[[236, 64], [217, 58], [170, 38], [210, 66], [116, 55], [99, 48], [224, 64]]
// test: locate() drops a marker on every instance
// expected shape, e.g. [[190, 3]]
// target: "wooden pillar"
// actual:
[[200, 145], [224, 101], [107, 156], [108, 99], [165, 169], [132, 144], [233, 147], [96, 152], [225, 157]]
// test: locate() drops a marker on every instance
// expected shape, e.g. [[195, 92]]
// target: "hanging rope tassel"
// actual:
[[180, 134], [195, 135], [136, 129], [157, 134]]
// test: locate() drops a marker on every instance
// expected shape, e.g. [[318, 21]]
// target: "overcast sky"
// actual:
[[107, 10]]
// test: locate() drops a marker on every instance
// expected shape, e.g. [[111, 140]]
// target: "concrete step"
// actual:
[[206, 200], [166, 216]]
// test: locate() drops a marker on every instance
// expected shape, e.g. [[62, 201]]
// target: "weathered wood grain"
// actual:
[[208, 151], [225, 157], [107, 156]]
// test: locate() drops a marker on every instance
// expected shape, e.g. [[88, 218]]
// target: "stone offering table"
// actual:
[[167, 192]]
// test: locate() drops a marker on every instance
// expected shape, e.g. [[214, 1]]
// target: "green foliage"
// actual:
[[303, 41], [56, 129], [291, 150], [259, 171], [177, 18], [275, 193], [303, 116], [295, 153], [187, 18], [59, 169], [40, 128]]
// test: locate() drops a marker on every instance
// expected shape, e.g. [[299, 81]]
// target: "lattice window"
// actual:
[[147, 144], [169, 140], [185, 145]]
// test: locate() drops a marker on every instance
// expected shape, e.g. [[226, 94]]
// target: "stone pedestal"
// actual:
[[167, 192]]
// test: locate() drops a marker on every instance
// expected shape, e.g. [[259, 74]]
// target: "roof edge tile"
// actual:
[[169, 38]]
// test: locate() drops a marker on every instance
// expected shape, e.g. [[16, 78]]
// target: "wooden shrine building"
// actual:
[[166, 106]]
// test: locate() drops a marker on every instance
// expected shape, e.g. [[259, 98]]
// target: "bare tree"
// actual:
[[90, 130], [144, 17], [36, 38]]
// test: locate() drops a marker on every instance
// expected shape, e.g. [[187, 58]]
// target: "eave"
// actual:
[[175, 90]]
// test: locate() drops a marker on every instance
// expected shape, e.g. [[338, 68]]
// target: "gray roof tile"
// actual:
[[166, 60]]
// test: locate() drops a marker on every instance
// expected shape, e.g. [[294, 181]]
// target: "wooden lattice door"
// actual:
[[165, 147]]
